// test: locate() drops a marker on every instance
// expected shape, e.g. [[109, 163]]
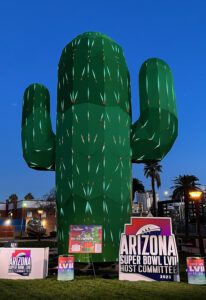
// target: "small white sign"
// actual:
[[24, 263]]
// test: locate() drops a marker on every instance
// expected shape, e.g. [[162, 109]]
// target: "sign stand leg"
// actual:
[[90, 259]]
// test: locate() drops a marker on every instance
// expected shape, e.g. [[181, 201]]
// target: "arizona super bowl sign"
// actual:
[[20, 262], [148, 251], [23, 263]]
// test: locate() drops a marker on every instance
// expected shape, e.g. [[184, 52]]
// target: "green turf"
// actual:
[[90, 288]]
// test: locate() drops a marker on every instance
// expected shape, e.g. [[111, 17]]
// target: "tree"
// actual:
[[152, 170], [13, 198], [183, 184], [29, 196], [49, 206], [137, 186], [51, 195]]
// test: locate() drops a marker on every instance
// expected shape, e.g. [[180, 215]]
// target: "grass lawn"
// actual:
[[89, 288]]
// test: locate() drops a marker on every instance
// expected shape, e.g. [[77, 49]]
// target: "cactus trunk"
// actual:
[[93, 162]]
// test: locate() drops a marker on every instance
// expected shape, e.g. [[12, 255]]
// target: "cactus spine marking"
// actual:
[[95, 142]]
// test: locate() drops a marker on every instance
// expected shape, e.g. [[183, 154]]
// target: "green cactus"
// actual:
[[94, 148], [156, 130]]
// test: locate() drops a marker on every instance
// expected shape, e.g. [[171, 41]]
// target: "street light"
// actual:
[[196, 196], [166, 193], [7, 222]]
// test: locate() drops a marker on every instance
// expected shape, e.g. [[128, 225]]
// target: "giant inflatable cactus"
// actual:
[[95, 142]]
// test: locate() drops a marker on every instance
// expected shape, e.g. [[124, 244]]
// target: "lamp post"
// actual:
[[196, 196]]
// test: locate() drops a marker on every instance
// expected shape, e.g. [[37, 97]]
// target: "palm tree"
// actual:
[[152, 170], [183, 184], [13, 198], [29, 196], [137, 186]]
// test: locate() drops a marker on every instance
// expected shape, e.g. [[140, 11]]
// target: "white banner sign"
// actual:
[[24, 263], [148, 251]]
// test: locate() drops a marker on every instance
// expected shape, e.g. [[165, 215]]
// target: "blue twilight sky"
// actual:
[[32, 35]]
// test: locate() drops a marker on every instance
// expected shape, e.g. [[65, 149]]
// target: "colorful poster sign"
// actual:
[[65, 267], [196, 270], [23, 263], [148, 251], [20, 262], [85, 239]]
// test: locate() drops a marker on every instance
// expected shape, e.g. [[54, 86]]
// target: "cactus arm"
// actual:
[[155, 131], [38, 140]]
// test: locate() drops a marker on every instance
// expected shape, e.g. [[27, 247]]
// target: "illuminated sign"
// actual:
[[85, 239], [148, 251]]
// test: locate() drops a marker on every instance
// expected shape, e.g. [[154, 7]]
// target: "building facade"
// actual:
[[143, 202], [17, 213], [176, 210]]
